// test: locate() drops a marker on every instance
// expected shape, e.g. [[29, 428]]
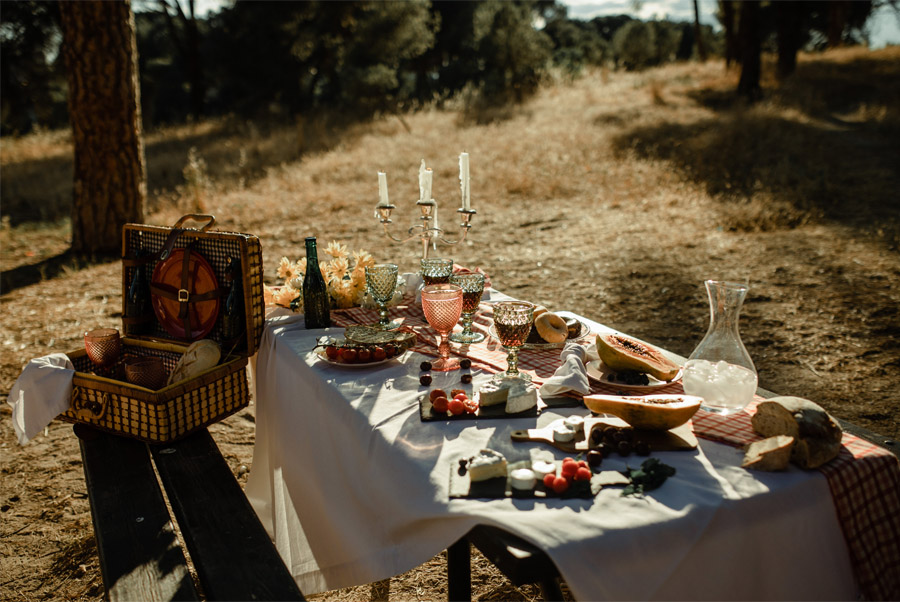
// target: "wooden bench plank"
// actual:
[[140, 557], [234, 557]]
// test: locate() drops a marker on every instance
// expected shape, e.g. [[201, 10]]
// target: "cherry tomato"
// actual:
[[332, 352], [364, 355], [440, 404], [348, 354], [583, 474], [471, 405], [569, 469], [548, 480], [560, 485], [436, 393], [379, 354], [461, 396], [456, 407], [455, 392]]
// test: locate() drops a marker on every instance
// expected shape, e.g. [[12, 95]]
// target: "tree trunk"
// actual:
[[748, 86], [838, 10], [104, 108], [731, 40], [789, 16], [698, 34]]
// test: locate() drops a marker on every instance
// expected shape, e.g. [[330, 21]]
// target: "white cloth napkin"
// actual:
[[571, 375], [41, 393]]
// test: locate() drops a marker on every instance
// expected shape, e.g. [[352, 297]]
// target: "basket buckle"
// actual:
[[87, 409], [183, 295]]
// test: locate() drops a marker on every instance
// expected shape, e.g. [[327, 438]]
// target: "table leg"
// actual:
[[459, 571]]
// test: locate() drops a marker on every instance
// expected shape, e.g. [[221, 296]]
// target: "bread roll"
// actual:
[[551, 327], [199, 357], [817, 434], [772, 453]]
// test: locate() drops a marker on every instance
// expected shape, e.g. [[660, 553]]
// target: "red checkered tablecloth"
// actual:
[[864, 479]]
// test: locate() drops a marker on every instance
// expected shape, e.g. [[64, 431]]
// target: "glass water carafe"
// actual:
[[720, 369]]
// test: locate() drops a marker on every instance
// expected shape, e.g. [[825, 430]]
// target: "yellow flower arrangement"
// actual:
[[344, 273]]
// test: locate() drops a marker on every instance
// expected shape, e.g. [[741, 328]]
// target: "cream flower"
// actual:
[[337, 268], [301, 267], [285, 269], [337, 249], [285, 295], [363, 259], [268, 295]]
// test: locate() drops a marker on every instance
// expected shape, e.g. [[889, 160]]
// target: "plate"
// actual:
[[598, 371], [320, 354], [585, 331], [202, 280]]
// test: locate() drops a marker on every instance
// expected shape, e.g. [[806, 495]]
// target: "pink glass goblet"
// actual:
[[442, 304]]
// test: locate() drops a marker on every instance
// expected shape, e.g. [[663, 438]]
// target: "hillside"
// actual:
[[613, 196]]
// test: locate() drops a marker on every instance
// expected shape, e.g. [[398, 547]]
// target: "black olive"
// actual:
[[594, 458], [642, 448], [425, 366], [425, 379], [624, 448], [465, 363], [466, 378], [596, 437]]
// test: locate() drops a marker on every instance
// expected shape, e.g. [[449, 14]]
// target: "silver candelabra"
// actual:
[[427, 232]]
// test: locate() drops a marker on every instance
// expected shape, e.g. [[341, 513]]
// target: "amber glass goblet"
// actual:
[[512, 320], [442, 304], [472, 286]]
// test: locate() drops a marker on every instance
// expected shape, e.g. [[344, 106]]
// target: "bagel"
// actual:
[[538, 310], [551, 327]]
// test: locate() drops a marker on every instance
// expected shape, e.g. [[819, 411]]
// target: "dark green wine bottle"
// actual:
[[233, 309], [316, 304], [138, 311]]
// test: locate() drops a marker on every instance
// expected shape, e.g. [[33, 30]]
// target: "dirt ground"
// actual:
[[821, 320]]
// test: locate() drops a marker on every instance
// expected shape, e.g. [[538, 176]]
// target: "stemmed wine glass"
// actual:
[[381, 279], [513, 319], [472, 286], [442, 304], [436, 270]]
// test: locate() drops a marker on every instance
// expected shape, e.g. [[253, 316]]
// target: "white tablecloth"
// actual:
[[353, 488]]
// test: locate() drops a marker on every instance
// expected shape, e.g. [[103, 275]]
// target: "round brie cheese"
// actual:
[[563, 434], [522, 478]]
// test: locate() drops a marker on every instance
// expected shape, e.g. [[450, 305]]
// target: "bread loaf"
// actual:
[[772, 453], [817, 434], [199, 357]]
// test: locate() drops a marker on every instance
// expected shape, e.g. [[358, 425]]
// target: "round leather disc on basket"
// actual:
[[201, 280]]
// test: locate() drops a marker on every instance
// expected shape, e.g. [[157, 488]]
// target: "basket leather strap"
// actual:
[[183, 294]]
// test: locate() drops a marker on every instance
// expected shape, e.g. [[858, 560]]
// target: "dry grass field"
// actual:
[[614, 196]]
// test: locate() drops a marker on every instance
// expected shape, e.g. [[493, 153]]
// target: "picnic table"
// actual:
[[353, 487]]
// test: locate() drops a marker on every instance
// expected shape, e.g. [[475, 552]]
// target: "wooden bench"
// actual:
[[140, 554], [524, 563]]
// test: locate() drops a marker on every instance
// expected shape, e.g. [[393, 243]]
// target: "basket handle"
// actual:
[[197, 217]]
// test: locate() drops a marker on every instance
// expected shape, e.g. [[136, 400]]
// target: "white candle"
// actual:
[[382, 190], [464, 180], [426, 186], [422, 181]]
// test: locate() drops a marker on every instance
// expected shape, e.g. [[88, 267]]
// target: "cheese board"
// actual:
[[501, 487], [681, 438], [428, 414]]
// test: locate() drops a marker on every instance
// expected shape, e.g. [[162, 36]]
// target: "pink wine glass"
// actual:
[[442, 304]]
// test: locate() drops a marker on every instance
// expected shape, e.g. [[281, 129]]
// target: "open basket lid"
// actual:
[[189, 272]]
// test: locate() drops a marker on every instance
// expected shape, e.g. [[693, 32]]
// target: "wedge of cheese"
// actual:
[[491, 394], [521, 397], [486, 464]]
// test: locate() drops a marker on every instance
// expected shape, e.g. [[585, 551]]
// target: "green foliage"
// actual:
[[634, 45], [576, 43]]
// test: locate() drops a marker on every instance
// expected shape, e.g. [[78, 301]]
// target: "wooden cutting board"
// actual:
[[678, 439]]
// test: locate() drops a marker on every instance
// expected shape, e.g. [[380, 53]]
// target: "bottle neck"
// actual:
[[312, 255]]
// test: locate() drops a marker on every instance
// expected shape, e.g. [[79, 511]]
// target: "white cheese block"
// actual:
[[521, 399], [522, 478], [563, 433], [492, 394], [542, 468], [487, 464], [574, 422]]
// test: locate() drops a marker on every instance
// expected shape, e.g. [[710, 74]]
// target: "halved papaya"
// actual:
[[650, 412], [621, 353]]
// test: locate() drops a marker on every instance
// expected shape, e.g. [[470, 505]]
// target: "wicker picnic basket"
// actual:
[[159, 416]]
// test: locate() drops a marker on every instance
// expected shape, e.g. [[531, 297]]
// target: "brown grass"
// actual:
[[613, 196]]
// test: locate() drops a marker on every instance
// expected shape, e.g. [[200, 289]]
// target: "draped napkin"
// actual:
[[571, 376], [41, 393]]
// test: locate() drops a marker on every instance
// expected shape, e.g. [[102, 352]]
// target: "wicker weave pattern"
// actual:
[[157, 416]]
